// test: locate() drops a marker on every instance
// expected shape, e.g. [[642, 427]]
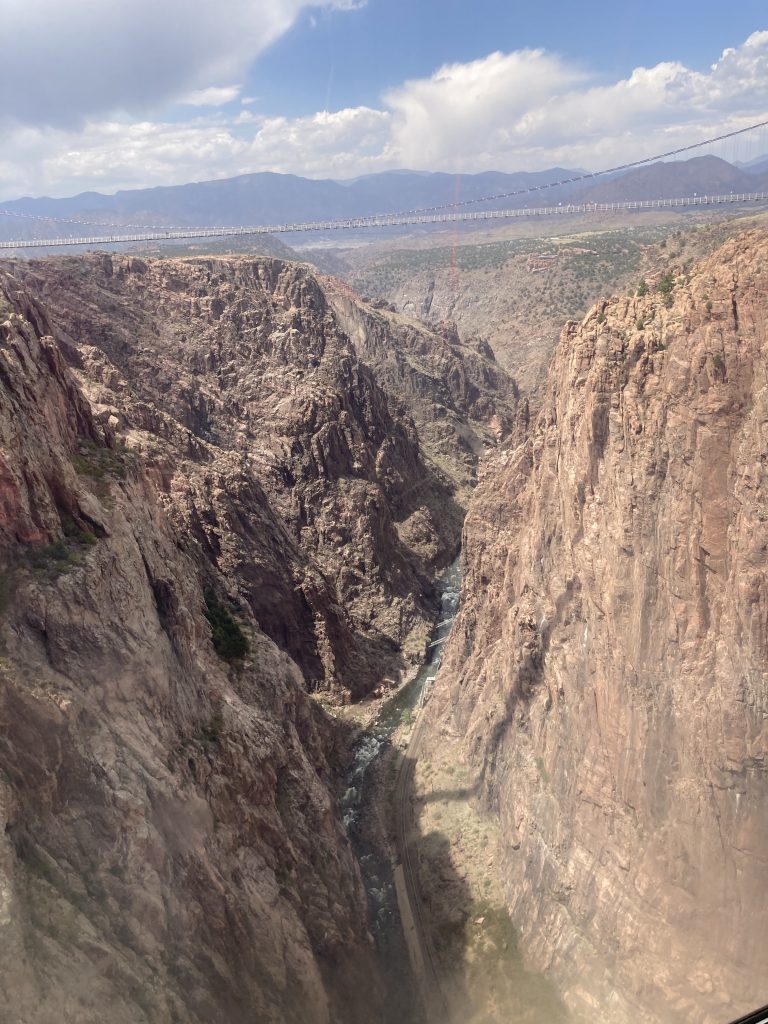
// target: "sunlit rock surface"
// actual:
[[609, 667]]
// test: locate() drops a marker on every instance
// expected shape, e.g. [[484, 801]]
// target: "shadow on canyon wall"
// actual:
[[483, 977]]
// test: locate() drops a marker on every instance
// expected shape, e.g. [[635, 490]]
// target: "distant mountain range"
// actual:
[[268, 198], [705, 175]]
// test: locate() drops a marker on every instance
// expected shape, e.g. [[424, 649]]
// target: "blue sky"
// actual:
[[166, 91], [351, 57]]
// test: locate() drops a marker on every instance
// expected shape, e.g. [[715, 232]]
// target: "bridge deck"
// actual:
[[395, 220]]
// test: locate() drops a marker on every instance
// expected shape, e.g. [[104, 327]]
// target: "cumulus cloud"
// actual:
[[530, 110], [469, 108], [64, 62], [112, 154], [338, 144], [520, 111]]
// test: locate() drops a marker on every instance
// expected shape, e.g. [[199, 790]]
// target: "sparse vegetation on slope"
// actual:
[[227, 636]]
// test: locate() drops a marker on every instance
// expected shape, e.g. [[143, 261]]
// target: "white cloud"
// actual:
[[524, 110], [325, 144], [67, 60], [213, 96], [469, 108], [110, 155], [531, 110]]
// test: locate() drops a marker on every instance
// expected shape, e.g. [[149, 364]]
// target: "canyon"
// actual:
[[210, 512], [228, 488]]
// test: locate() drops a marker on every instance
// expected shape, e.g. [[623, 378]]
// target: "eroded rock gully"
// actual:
[[608, 672], [194, 454]]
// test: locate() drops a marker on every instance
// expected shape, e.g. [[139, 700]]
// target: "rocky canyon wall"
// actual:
[[209, 508], [608, 672], [276, 444], [171, 848]]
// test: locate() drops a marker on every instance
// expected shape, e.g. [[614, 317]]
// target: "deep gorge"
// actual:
[[228, 491]]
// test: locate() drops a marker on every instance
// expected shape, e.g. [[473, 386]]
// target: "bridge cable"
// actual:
[[442, 206]]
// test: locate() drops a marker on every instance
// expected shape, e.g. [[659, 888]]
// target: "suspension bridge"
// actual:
[[396, 220], [444, 213]]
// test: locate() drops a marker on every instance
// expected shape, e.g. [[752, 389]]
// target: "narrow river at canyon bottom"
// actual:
[[366, 810]]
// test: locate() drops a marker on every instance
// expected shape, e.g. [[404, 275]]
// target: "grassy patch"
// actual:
[[55, 558], [75, 534], [206, 738], [101, 465], [209, 735]]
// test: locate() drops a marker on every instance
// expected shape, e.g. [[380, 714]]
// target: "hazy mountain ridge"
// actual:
[[268, 198]]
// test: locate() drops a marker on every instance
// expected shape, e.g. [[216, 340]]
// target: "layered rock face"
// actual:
[[458, 396], [207, 509], [609, 667], [275, 443]]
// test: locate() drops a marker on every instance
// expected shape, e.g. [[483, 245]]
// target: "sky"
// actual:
[[109, 94]]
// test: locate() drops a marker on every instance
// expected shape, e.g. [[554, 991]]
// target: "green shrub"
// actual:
[[665, 288], [62, 554], [73, 532], [56, 557], [229, 640], [642, 288], [98, 462]]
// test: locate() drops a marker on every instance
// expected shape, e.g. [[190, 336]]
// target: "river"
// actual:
[[365, 822]]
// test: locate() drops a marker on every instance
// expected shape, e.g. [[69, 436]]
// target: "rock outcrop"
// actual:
[[608, 672], [513, 294], [274, 444], [461, 401], [208, 509]]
